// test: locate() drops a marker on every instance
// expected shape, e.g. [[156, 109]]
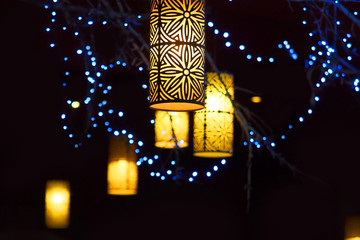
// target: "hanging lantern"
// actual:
[[57, 204], [214, 125], [352, 228], [169, 123], [122, 173], [177, 50]]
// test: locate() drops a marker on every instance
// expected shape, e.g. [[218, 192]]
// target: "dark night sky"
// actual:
[[284, 205]]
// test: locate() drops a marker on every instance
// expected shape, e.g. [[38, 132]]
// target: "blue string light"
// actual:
[[242, 47], [93, 78], [320, 52]]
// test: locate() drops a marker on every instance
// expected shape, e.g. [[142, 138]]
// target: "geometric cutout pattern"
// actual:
[[214, 125], [177, 51]]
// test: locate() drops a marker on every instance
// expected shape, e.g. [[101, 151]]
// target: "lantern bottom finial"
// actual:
[[177, 106]]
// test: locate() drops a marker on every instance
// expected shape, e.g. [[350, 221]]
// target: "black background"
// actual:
[[284, 205]]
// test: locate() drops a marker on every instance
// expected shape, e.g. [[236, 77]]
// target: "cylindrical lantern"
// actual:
[[57, 204], [352, 228], [214, 125], [168, 124], [122, 172], [177, 50]]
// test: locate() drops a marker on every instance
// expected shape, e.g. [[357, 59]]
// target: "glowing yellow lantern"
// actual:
[[122, 172], [214, 125], [177, 51], [352, 228], [169, 123], [57, 204], [256, 99]]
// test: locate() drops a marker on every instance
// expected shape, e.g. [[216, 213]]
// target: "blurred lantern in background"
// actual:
[[214, 125], [352, 228], [171, 128], [122, 173], [256, 99], [177, 51], [57, 204]]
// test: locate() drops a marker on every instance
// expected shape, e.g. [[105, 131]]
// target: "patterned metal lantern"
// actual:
[[122, 172], [57, 204], [177, 50], [214, 125], [168, 124], [352, 228]]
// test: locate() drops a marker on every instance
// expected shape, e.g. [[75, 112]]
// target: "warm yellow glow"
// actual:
[[122, 177], [177, 51], [213, 125], [122, 172], [57, 204], [75, 104], [166, 123], [256, 99], [352, 228]]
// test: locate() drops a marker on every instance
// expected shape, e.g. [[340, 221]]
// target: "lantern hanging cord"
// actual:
[[176, 148]]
